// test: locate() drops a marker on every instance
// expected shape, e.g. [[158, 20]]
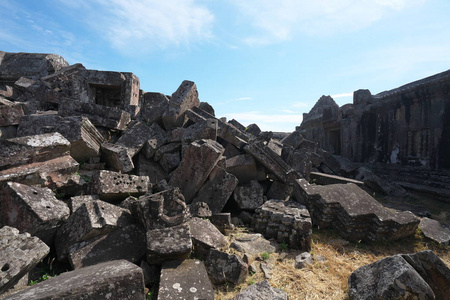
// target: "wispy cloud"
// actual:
[[272, 122], [276, 21], [344, 95], [139, 26]]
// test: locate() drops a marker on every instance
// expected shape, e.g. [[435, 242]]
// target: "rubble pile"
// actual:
[[110, 178]]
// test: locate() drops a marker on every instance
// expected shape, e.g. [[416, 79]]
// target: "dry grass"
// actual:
[[328, 279]]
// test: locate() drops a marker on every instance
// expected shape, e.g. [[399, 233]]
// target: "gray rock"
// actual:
[[117, 279], [250, 196], [10, 112], [200, 210], [198, 161], [216, 191], [173, 243], [201, 130], [302, 260], [252, 244], [261, 290], [267, 270], [76, 201], [123, 243], [222, 221], [434, 231], [205, 236], [32, 209], [150, 168], [135, 137], [19, 254], [117, 157], [245, 168], [153, 107], [185, 280], [89, 220], [156, 139], [253, 129], [279, 190], [223, 267]]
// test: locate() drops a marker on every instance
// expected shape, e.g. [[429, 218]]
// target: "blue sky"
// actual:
[[258, 61]]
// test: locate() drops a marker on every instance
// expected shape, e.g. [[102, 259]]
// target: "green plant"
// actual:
[[42, 278], [265, 256], [251, 281], [149, 296], [283, 246]]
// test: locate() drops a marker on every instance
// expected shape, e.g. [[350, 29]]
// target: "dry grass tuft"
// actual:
[[329, 279]]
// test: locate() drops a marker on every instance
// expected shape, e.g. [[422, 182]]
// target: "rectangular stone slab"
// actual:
[[117, 279]]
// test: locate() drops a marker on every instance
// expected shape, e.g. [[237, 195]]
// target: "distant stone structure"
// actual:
[[409, 125]]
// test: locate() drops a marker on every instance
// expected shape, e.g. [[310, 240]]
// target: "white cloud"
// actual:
[[281, 20], [136, 26], [268, 122], [344, 95]]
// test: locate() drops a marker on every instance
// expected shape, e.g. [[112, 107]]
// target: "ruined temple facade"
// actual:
[[409, 125]]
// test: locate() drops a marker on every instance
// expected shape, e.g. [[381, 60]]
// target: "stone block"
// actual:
[[161, 210], [184, 98], [201, 130], [198, 161], [434, 231], [216, 191], [117, 279], [150, 168], [99, 115], [252, 244], [261, 290], [76, 201], [135, 137], [30, 149], [253, 129], [185, 280], [245, 168], [123, 243], [279, 190], [32, 209], [303, 260], [10, 112], [225, 268], [200, 210], [222, 221], [173, 243], [250, 196], [170, 161], [117, 157], [19, 254], [8, 132], [88, 221], [153, 107], [205, 236], [287, 222], [157, 138], [114, 186]]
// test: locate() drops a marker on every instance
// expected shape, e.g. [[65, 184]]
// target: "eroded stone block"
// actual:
[[113, 186], [245, 168], [261, 290], [32, 209], [223, 267], [153, 107], [205, 236], [10, 112], [250, 196]]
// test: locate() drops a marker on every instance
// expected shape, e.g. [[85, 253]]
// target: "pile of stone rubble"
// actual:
[[128, 186]]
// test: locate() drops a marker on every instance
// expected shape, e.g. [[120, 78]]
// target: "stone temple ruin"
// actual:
[[137, 190]]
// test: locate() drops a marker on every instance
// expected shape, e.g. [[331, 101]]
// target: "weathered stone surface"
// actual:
[[31, 65], [261, 290], [433, 230], [153, 107], [201, 130], [294, 139], [222, 221], [161, 210], [198, 161], [252, 244], [389, 278], [245, 168], [232, 135], [150, 168], [32, 209], [205, 236], [113, 186], [173, 243], [200, 210], [184, 98], [8, 132], [185, 280], [19, 254], [378, 184], [30, 149], [253, 129], [99, 115], [217, 189], [76, 201], [249, 196], [236, 124], [279, 190], [302, 260], [135, 137], [84, 138], [223, 267], [117, 279], [89, 220], [117, 157], [53, 172], [10, 112], [123, 243], [353, 212], [287, 222], [156, 139], [207, 108]]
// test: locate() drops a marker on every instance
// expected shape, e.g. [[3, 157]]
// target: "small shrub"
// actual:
[[265, 256]]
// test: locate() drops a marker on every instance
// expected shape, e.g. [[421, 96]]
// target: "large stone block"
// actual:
[[161, 210], [117, 279], [19, 254], [198, 161], [153, 107], [184, 98], [261, 290], [245, 168], [32, 209], [223, 267], [250, 196], [117, 157], [10, 112], [185, 280], [201, 130], [434, 231], [114, 186], [30, 149], [123, 243], [151, 169], [173, 243], [205, 236], [90, 220], [217, 189], [135, 137]]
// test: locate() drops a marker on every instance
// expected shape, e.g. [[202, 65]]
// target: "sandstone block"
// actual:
[[222, 221], [19, 254], [185, 280], [200, 210], [134, 138], [10, 112], [153, 107], [117, 279], [156, 139], [245, 168], [249, 197], [76, 201], [205, 236], [261, 290], [123, 243], [32, 209], [223, 267], [433, 230], [150, 168], [184, 98], [252, 244], [198, 161], [173, 243], [201, 130]]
